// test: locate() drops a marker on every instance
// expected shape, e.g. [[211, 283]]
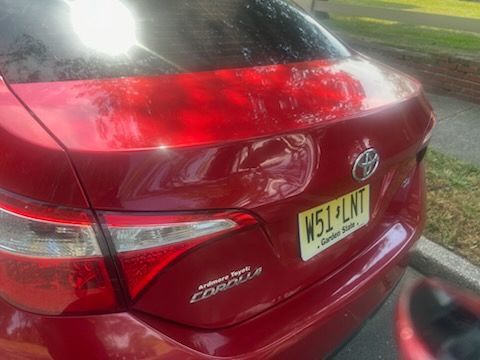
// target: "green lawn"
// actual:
[[421, 38], [453, 215], [469, 9], [408, 36]]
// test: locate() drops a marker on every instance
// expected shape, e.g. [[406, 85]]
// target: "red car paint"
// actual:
[[217, 107], [30, 152], [267, 142], [299, 326], [315, 157]]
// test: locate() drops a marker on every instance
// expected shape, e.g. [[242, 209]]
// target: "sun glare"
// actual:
[[106, 26]]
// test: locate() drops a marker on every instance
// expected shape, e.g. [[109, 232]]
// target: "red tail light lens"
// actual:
[[146, 244], [426, 140], [51, 262], [50, 259]]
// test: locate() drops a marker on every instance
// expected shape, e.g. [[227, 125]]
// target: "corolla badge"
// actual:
[[224, 283], [365, 165]]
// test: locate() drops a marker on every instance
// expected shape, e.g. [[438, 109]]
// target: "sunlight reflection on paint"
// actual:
[[106, 26]]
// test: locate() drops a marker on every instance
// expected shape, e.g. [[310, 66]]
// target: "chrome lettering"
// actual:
[[230, 281]]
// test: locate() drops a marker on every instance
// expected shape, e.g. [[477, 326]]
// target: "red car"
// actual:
[[197, 179]]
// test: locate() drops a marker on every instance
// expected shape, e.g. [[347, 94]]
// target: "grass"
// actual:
[[453, 205], [468, 9], [420, 38]]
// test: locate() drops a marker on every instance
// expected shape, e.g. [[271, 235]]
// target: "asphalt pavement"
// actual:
[[376, 339]]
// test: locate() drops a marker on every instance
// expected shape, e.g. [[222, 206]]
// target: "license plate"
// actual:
[[327, 224]]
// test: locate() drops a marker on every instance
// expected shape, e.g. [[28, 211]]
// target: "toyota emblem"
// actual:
[[365, 165]]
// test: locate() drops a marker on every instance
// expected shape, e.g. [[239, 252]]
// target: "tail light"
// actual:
[[426, 140], [50, 259], [421, 154], [146, 244]]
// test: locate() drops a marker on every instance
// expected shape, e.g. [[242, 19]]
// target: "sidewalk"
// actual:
[[458, 129]]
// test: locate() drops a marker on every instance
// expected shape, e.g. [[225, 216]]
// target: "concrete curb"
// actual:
[[435, 261]]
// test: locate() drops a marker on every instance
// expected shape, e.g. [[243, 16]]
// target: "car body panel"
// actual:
[[268, 126], [191, 109], [297, 327], [188, 142], [33, 164]]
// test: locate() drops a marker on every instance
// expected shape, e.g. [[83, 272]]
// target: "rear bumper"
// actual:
[[308, 325]]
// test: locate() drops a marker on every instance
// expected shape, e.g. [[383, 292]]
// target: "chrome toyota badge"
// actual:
[[365, 165]]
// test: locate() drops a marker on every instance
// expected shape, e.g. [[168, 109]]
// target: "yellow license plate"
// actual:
[[329, 223]]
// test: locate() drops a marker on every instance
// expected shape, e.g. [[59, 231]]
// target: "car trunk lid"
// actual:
[[270, 141]]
